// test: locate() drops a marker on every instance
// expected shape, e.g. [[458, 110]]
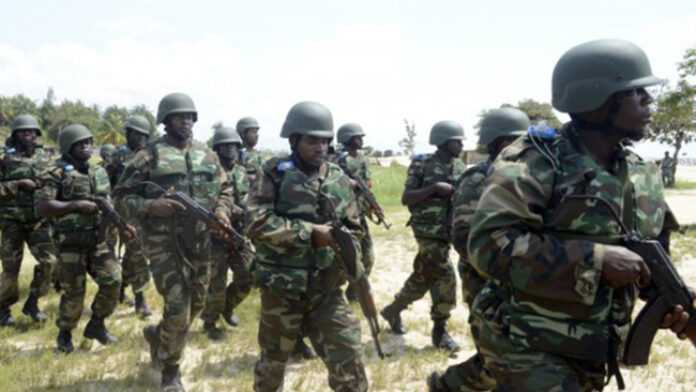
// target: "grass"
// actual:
[[684, 185]]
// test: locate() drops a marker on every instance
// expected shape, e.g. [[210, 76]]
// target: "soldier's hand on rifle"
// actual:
[[321, 236], [225, 221], [677, 320], [622, 267], [164, 208], [129, 233], [353, 183], [85, 207], [443, 189], [26, 184]]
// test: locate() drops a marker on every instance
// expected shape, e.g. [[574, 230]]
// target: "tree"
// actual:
[[408, 143], [14, 106], [538, 112]]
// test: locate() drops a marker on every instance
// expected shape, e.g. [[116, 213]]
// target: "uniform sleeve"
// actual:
[[8, 189], [464, 203], [50, 183], [414, 176], [225, 201], [509, 243], [128, 201], [368, 173], [268, 227]]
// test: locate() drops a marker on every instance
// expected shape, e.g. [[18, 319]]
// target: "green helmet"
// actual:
[[175, 103], [502, 122], [70, 135], [245, 123], [107, 151], [347, 131], [226, 135], [588, 74], [25, 121], [137, 123], [308, 118], [445, 131]]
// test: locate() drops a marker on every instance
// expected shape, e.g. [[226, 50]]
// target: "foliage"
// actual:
[[388, 184], [408, 143], [538, 112]]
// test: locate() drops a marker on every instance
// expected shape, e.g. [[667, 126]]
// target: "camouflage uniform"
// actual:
[[220, 295], [667, 169], [135, 266], [300, 285], [20, 224], [178, 249], [547, 321], [81, 250], [358, 166], [430, 220], [253, 162]]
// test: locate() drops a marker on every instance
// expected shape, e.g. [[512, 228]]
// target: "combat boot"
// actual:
[[6, 319], [31, 309], [435, 383], [302, 351], [124, 298], [141, 308], [214, 333], [152, 339], [64, 341], [392, 313], [171, 379], [442, 339], [96, 329], [228, 315]]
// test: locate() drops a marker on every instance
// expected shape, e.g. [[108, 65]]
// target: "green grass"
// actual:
[[388, 184], [685, 185]]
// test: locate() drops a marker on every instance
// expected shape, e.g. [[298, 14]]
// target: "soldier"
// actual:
[[68, 186], [177, 246], [298, 273], [355, 164], [667, 169], [223, 299], [107, 152], [560, 291], [498, 128], [22, 161], [135, 267], [248, 129], [429, 186]]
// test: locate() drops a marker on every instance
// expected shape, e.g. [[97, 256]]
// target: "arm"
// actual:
[[508, 241], [464, 204], [48, 207], [127, 199]]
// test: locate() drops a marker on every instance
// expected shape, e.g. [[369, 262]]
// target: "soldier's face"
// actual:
[[251, 137], [312, 149], [180, 125], [26, 137], [136, 140], [82, 150], [228, 151], [356, 142], [454, 147], [633, 115]]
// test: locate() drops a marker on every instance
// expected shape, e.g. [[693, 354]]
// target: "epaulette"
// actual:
[[542, 132], [420, 157], [67, 168], [285, 165], [9, 151]]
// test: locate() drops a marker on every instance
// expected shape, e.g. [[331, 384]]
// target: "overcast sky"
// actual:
[[371, 62]]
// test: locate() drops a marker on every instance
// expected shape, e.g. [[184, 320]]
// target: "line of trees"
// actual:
[[107, 124]]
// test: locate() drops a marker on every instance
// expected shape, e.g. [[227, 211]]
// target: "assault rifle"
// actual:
[[344, 247], [111, 216], [364, 190], [667, 291]]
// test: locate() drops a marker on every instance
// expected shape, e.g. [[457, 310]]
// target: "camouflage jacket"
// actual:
[[64, 182], [253, 162], [237, 178], [17, 205], [284, 206], [432, 218], [194, 170], [464, 203], [358, 167], [545, 251]]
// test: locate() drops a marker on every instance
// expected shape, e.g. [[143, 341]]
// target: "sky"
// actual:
[[371, 62]]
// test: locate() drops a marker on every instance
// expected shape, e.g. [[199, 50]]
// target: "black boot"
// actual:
[[441, 339], [152, 339], [31, 309], [392, 313], [6, 319], [435, 383], [228, 315], [141, 308], [171, 379], [214, 333], [302, 351], [96, 329], [64, 341], [124, 298]]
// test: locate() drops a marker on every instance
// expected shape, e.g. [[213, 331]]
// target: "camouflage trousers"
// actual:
[[221, 295], [327, 320], [74, 265], [41, 246], [135, 269], [368, 252], [432, 272], [519, 368], [182, 281]]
